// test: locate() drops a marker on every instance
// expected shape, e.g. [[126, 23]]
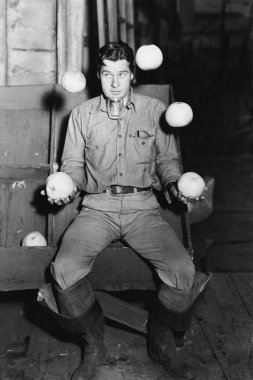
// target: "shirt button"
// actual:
[[120, 136], [120, 154], [143, 142], [121, 174]]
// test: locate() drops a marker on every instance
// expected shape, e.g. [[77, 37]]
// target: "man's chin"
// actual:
[[116, 96]]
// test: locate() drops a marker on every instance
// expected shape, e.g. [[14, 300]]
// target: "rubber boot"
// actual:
[[172, 317], [162, 349], [78, 312], [179, 322], [93, 350]]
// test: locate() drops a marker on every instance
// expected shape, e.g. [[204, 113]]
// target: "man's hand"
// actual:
[[62, 201], [172, 188]]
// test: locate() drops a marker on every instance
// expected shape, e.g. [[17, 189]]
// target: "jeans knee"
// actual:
[[179, 274], [189, 270]]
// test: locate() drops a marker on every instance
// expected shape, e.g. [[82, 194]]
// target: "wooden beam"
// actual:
[[3, 43], [123, 20], [19, 171], [86, 38], [123, 312], [75, 26], [61, 38], [101, 22], [112, 21], [130, 24]]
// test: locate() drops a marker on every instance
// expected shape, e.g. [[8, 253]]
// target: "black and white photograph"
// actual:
[[126, 189]]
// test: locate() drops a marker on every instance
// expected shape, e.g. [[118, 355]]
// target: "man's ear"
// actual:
[[98, 74], [132, 76]]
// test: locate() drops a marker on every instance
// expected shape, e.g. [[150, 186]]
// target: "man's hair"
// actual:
[[115, 51]]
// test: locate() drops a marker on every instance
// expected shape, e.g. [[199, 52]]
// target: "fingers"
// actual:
[[174, 190], [187, 200], [59, 201], [183, 199]]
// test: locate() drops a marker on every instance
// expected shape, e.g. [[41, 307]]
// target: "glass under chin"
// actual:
[[115, 107]]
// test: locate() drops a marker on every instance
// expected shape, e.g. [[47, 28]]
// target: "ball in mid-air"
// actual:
[[179, 114], [73, 81], [149, 57]]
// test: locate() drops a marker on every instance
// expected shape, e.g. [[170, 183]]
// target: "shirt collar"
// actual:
[[131, 100]]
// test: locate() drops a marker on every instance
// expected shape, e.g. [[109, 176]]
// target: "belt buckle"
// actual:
[[110, 191]]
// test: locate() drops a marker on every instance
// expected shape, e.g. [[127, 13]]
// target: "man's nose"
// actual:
[[115, 81]]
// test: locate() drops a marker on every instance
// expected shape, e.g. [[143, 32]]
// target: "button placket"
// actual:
[[120, 147]]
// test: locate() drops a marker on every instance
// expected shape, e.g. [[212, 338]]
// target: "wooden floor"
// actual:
[[220, 342]]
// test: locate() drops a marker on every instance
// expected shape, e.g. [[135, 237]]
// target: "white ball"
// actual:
[[59, 185], [149, 57], [73, 81], [179, 114], [191, 184], [34, 239]]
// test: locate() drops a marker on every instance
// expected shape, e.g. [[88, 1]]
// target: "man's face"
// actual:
[[115, 77]]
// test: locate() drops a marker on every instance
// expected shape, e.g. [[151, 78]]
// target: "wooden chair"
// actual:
[[33, 124]]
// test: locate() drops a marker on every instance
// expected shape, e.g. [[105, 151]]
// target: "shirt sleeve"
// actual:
[[73, 159], [168, 158]]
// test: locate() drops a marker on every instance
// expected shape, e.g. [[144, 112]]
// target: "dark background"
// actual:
[[207, 49]]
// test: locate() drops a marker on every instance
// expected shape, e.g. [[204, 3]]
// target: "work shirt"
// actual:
[[139, 150]]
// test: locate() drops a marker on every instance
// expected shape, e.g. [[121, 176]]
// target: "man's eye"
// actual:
[[106, 74], [122, 75]]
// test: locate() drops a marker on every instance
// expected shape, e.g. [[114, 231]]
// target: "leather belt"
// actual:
[[117, 189]]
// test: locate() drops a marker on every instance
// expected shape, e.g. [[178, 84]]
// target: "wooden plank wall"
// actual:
[[31, 42], [3, 29], [40, 40], [24, 147]]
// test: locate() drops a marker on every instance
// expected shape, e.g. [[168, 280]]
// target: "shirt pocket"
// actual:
[[143, 147]]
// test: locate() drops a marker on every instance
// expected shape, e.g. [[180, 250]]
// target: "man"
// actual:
[[117, 151]]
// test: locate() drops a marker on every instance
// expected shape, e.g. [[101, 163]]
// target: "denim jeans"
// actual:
[[134, 217]]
